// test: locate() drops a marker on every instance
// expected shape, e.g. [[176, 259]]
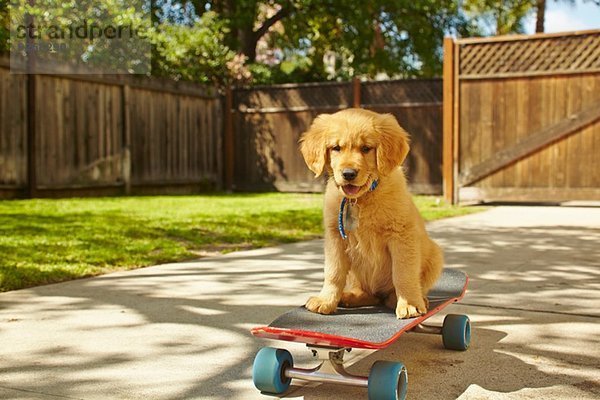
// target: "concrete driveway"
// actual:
[[181, 331]]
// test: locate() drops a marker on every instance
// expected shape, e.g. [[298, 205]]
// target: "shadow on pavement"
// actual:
[[182, 331]]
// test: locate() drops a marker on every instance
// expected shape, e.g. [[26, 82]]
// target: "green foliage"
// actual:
[[275, 41], [196, 53], [4, 27], [500, 17], [293, 69], [400, 38], [106, 36]]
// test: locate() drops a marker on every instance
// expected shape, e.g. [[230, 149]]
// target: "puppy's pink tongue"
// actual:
[[351, 190]]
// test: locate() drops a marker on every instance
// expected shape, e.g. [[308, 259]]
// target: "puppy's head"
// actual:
[[355, 147]]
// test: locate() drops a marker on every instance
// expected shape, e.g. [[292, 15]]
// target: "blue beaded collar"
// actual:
[[343, 206]]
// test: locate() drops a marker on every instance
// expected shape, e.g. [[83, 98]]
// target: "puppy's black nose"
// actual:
[[349, 174]]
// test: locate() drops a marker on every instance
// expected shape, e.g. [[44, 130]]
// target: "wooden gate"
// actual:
[[522, 118]]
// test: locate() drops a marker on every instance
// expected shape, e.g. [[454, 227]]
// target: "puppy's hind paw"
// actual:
[[358, 299], [426, 301], [319, 305], [409, 311]]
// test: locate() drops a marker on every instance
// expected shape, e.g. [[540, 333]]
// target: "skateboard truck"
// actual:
[[331, 369], [428, 329]]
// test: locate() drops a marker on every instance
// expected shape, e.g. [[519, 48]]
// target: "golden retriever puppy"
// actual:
[[376, 247]]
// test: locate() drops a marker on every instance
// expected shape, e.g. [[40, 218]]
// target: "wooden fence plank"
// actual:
[[456, 139], [356, 92], [228, 140], [13, 129], [126, 121], [530, 194], [510, 38]]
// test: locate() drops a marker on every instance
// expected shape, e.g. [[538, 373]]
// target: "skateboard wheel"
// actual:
[[388, 381], [268, 371], [456, 332]]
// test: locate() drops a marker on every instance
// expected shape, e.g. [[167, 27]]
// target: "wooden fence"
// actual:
[[266, 123], [522, 118], [106, 134], [521, 121], [64, 135]]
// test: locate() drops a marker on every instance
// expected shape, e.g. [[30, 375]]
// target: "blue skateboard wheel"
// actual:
[[388, 381], [268, 371], [456, 332]]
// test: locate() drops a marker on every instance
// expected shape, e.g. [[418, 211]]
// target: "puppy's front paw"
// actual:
[[404, 310], [319, 305]]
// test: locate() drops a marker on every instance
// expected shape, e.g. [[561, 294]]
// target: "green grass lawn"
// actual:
[[47, 241]]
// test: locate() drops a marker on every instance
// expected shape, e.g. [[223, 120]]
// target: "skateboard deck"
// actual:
[[373, 327]]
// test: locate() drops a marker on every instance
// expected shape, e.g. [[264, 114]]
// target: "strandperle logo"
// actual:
[[87, 31], [80, 36]]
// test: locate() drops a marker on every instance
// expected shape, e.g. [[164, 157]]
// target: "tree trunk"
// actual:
[[247, 40], [540, 16], [155, 68]]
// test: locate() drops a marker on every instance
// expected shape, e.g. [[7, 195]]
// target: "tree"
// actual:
[[367, 38], [540, 16], [500, 17], [242, 19], [195, 53], [4, 27], [287, 40], [541, 12], [107, 36]]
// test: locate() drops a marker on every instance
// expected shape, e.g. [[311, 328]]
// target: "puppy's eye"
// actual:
[[336, 148], [365, 149]]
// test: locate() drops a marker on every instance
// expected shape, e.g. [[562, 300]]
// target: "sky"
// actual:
[[562, 16]]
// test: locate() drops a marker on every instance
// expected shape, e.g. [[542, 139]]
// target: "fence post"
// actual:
[[31, 136], [31, 117], [448, 121], [229, 154], [126, 154], [356, 92]]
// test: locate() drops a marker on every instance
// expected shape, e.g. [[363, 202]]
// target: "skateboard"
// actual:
[[329, 337]]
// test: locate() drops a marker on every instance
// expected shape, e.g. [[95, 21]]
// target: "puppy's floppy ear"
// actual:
[[313, 144], [393, 145]]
